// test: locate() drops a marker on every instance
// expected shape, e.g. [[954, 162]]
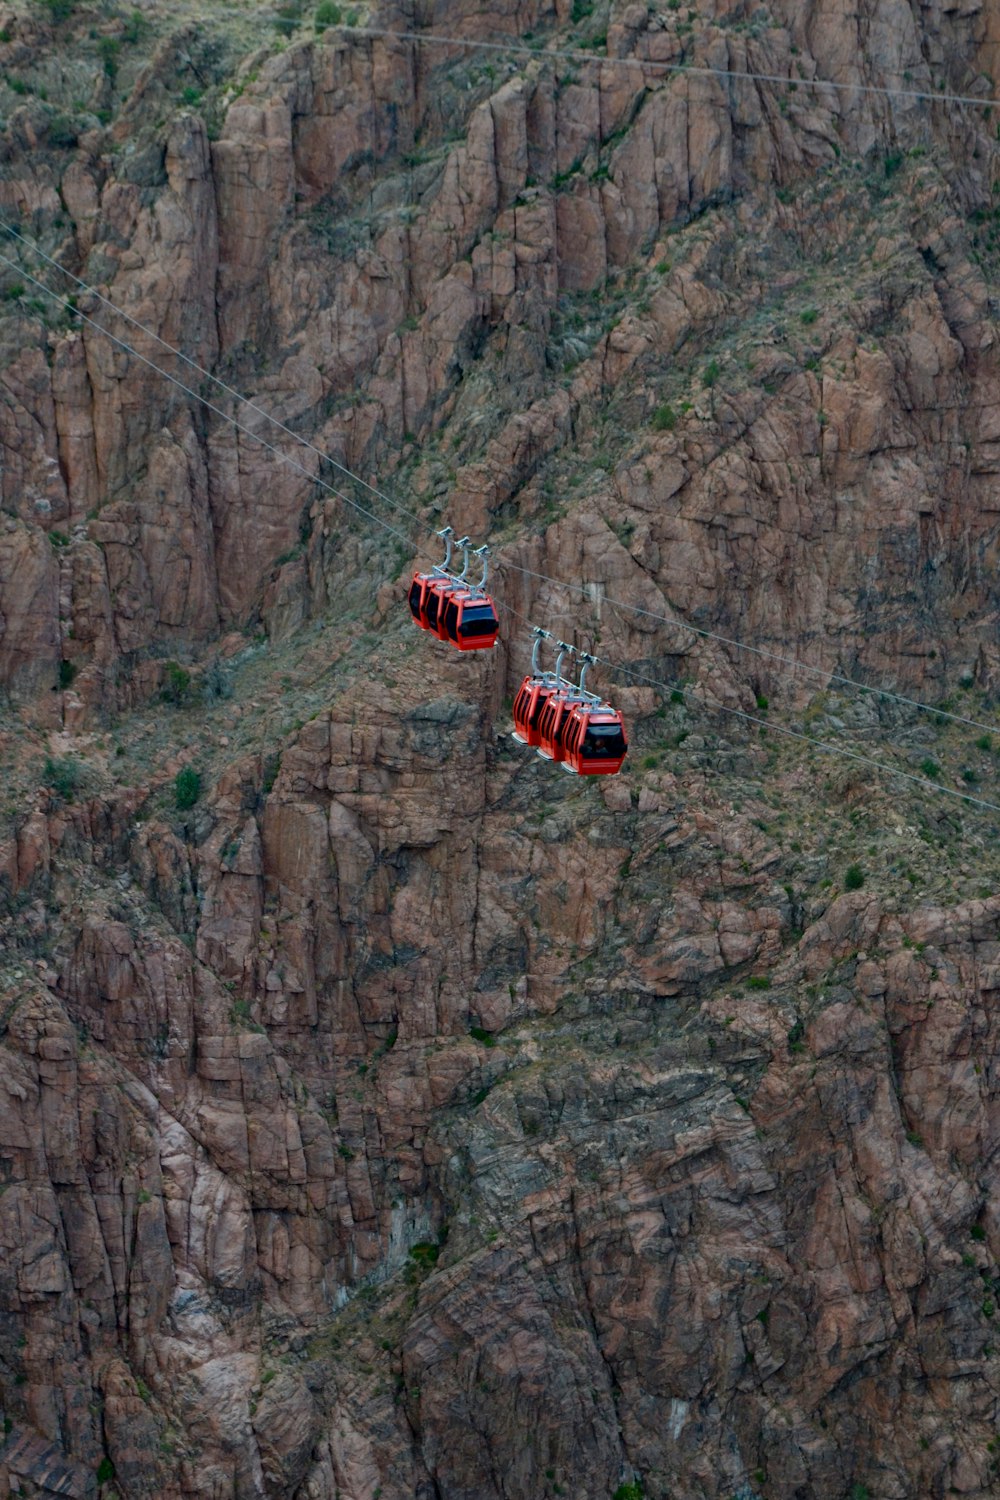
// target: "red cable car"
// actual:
[[424, 596], [422, 592], [452, 609], [532, 696], [594, 740], [468, 619], [578, 730]]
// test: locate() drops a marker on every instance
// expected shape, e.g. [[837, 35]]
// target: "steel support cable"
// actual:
[[762, 651], [197, 396], [280, 454], [198, 369], [740, 75], [825, 746], [828, 747], [791, 663]]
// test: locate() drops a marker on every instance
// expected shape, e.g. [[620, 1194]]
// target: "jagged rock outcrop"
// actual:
[[382, 1112]]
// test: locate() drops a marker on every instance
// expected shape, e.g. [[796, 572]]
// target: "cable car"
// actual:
[[578, 730], [594, 740], [469, 620], [424, 596], [532, 696], [452, 609]]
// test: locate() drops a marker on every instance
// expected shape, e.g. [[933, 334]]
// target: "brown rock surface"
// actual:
[[384, 1112]]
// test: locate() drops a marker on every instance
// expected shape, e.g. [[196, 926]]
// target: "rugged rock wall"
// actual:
[[400, 1118]]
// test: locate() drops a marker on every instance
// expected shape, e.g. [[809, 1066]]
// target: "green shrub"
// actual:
[[176, 682], [425, 1254], [187, 788], [63, 776], [758, 982], [67, 671], [485, 1037], [631, 1491], [984, 742], [795, 1036], [109, 47], [328, 13], [930, 768], [977, 1232], [105, 1471], [136, 28], [710, 374], [854, 879], [809, 316], [62, 131], [59, 10], [664, 418]]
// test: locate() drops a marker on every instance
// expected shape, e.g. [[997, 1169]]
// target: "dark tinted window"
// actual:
[[415, 598], [536, 713], [432, 606], [603, 742], [450, 617], [565, 721], [478, 619]]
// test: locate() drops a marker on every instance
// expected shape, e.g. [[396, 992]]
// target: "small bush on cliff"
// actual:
[[63, 777], [105, 1471], [59, 10], [854, 879], [425, 1254], [187, 788], [631, 1491], [328, 14], [176, 682], [664, 418]]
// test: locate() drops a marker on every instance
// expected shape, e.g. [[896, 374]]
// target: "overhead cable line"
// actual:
[[762, 651], [792, 663], [822, 745], [192, 364], [573, 55], [827, 747], [226, 416]]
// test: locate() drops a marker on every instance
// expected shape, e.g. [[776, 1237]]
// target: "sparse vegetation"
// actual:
[[59, 10], [176, 682], [854, 879], [187, 788], [63, 777], [425, 1254]]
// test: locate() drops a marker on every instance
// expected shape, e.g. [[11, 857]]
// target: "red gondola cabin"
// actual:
[[532, 696], [594, 740], [468, 619], [421, 590]]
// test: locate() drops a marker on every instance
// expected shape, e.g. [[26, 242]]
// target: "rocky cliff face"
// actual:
[[382, 1112]]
